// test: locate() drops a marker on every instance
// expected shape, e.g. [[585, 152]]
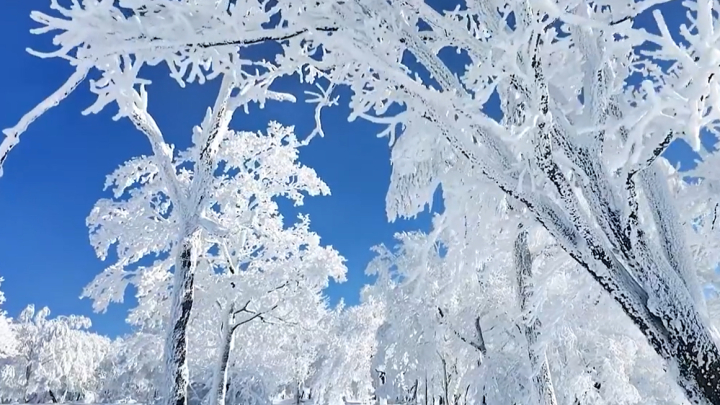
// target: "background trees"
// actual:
[[439, 343], [244, 260], [8, 344], [55, 359]]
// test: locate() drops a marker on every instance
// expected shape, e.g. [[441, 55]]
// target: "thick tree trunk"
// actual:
[[542, 380], [176, 369], [219, 384], [698, 361]]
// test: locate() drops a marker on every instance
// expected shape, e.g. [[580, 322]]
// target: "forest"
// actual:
[[572, 262]]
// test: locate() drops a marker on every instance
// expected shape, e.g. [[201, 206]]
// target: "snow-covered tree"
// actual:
[[180, 208], [186, 198], [56, 359], [347, 342], [455, 330], [132, 370], [431, 346], [248, 264], [274, 277], [563, 106], [8, 343], [577, 165]]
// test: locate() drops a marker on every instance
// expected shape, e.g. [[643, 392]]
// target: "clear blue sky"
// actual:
[[53, 178]]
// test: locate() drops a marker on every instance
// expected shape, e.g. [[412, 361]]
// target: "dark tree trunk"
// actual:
[[176, 343]]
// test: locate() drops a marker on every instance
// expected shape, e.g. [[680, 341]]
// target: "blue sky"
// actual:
[[53, 178]]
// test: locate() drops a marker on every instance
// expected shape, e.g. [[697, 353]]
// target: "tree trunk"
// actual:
[[542, 380], [219, 384], [176, 369], [426, 389], [446, 383], [28, 374]]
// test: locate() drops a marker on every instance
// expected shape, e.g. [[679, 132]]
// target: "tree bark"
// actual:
[[426, 389], [176, 341], [219, 384], [542, 380], [28, 375], [446, 383]]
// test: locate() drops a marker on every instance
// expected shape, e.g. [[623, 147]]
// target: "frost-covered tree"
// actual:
[[531, 324], [563, 106], [582, 156], [268, 280], [132, 369], [595, 114], [346, 339], [454, 330], [56, 359], [431, 346], [186, 198], [8, 343], [245, 261]]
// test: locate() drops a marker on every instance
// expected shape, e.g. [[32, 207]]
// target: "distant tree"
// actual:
[[56, 359], [8, 342], [454, 330], [246, 263], [132, 370], [346, 342]]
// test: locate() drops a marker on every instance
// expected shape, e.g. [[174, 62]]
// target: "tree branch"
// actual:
[[243, 309], [12, 135], [254, 41], [255, 315], [212, 136], [479, 346], [158, 42], [656, 153]]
